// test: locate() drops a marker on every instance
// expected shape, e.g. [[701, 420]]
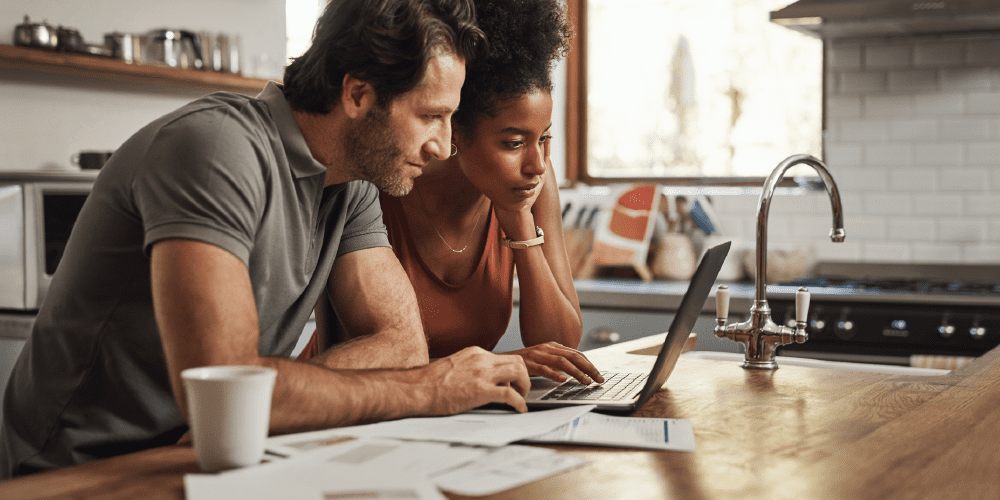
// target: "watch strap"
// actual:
[[521, 245]]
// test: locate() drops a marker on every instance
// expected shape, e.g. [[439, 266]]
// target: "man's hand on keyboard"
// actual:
[[553, 360]]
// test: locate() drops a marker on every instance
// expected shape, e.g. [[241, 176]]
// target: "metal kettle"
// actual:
[[174, 48]]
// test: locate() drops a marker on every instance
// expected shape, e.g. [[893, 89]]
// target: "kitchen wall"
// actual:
[[46, 119], [913, 141]]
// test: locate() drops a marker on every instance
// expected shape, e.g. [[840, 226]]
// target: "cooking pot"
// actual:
[[125, 46], [175, 48], [31, 34], [91, 160], [70, 40]]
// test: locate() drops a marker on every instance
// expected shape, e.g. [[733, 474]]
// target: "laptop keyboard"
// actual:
[[616, 386]]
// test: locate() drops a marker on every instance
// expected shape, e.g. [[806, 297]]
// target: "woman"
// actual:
[[471, 220]]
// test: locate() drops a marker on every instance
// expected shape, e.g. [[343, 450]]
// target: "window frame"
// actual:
[[576, 121]]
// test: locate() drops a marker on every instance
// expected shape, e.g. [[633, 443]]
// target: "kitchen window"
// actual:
[[681, 92]]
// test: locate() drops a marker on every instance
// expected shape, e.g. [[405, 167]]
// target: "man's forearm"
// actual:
[[309, 397], [381, 350]]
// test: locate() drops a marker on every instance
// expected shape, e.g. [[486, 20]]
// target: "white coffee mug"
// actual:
[[229, 409]]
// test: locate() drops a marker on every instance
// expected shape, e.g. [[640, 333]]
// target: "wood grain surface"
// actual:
[[796, 432]]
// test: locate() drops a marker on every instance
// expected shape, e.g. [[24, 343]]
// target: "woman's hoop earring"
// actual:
[[454, 149]]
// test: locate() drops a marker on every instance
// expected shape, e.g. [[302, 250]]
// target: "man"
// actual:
[[210, 234]]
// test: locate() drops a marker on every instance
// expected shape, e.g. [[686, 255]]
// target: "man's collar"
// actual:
[[300, 159]]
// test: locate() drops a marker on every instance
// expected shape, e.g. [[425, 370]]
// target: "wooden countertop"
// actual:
[[795, 432]]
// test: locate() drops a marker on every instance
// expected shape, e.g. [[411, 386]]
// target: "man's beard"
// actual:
[[372, 147]]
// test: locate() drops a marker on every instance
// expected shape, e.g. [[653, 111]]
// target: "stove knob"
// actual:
[[977, 332], [946, 330], [844, 328]]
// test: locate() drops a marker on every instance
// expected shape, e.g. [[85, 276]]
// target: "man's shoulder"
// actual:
[[219, 109]]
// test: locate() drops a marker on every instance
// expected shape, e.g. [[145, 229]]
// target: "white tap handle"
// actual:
[[722, 302], [801, 305]]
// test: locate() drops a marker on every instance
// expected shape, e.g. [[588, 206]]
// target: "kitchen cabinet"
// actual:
[[66, 68]]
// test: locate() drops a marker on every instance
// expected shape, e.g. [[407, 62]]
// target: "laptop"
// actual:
[[625, 392]]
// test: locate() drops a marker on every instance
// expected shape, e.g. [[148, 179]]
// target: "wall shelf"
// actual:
[[115, 73]]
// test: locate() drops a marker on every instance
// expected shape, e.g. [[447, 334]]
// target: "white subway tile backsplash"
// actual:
[[807, 227], [938, 204], [964, 179], [792, 204], [936, 253], [852, 81], [885, 252], [981, 254], [983, 103], [877, 106], [864, 130], [913, 180], [851, 202], [942, 54], [914, 79], [858, 180], [962, 230], [939, 103], [947, 154], [843, 107], [865, 228], [995, 229], [890, 155], [985, 153], [841, 56], [734, 204], [913, 141], [913, 229], [983, 51], [888, 56], [845, 251], [982, 204], [965, 129], [915, 129], [966, 79], [888, 204], [847, 156]]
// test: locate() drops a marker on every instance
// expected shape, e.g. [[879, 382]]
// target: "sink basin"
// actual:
[[819, 363]]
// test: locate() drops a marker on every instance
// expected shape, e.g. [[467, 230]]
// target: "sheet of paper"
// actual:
[[623, 432], [473, 428], [353, 470], [503, 469]]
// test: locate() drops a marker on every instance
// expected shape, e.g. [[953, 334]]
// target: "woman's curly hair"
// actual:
[[524, 40]]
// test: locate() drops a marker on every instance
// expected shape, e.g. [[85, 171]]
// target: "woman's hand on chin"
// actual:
[[553, 360]]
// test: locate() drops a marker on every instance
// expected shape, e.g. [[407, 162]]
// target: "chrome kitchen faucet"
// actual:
[[759, 335]]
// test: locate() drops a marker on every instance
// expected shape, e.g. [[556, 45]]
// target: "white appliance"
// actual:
[[37, 212]]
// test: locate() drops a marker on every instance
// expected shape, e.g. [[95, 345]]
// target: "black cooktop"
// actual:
[[927, 286]]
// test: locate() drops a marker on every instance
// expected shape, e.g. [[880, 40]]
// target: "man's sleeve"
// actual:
[[364, 228], [201, 179]]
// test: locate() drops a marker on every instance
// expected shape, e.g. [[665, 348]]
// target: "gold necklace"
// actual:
[[431, 221]]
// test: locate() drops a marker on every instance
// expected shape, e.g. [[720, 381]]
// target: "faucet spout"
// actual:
[[764, 206]]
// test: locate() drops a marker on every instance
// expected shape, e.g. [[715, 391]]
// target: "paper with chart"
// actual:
[[623, 432]]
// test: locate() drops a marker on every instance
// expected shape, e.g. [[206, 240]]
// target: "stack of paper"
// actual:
[[468, 454]]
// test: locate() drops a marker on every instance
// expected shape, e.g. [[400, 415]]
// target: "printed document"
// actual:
[[623, 432]]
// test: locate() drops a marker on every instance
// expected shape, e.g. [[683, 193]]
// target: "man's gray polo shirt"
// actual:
[[229, 170]]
